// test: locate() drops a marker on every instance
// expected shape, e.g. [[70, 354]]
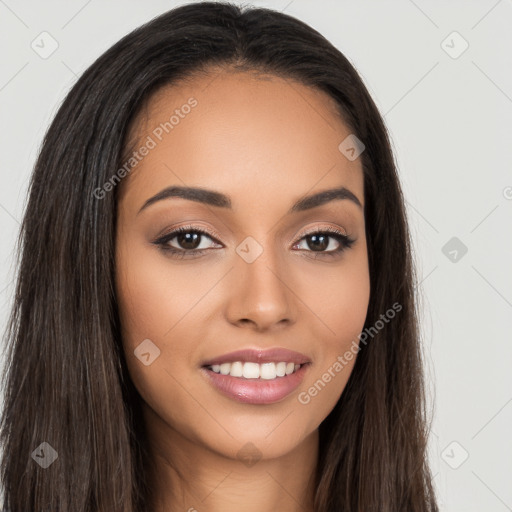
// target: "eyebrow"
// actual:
[[213, 198]]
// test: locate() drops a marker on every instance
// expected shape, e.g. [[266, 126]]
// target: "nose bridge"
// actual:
[[259, 283], [261, 263]]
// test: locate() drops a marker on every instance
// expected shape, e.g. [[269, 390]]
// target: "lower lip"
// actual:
[[256, 391]]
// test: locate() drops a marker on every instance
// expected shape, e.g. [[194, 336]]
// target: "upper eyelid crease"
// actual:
[[220, 200], [331, 231], [205, 231]]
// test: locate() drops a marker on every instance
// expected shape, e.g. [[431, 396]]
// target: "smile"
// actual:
[[255, 390], [251, 370]]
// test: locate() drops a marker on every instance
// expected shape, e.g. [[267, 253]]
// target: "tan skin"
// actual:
[[265, 142]]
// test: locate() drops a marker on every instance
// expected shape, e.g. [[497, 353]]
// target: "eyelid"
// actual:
[[216, 236], [189, 227], [330, 229]]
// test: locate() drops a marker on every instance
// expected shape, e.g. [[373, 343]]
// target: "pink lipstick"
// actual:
[[257, 376]]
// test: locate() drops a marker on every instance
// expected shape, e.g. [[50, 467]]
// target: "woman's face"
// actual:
[[257, 279]]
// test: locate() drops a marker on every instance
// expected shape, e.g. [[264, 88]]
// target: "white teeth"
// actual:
[[265, 371], [281, 369], [251, 370], [268, 371], [237, 369]]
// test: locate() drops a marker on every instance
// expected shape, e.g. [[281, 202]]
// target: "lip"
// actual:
[[256, 391], [271, 355]]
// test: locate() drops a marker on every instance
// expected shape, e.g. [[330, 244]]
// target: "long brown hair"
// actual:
[[66, 382]]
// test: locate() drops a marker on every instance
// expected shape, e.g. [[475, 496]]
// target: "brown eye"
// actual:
[[318, 242], [321, 240], [189, 241], [185, 240]]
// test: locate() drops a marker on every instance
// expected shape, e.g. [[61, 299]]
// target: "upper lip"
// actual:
[[259, 356]]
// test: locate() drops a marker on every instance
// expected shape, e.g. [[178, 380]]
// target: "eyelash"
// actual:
[[344, 240]]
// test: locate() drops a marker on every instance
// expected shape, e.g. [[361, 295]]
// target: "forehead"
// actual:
[[240, 133]]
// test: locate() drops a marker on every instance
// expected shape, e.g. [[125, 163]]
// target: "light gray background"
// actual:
[[450, 121]]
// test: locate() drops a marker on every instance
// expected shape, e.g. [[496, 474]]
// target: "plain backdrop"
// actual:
[[440, 73]]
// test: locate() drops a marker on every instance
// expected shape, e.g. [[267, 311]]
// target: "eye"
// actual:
[[187, 241], [320, 240]]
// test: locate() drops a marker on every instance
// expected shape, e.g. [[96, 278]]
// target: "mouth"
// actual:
[[257, 376], [272, 355], [255, 371]]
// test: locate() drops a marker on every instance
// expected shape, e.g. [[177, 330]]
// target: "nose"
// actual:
[[260, 295]]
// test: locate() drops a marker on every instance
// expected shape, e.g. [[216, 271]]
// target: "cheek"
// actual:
[[152, 300], [341, 306], [349, 306], [153, 304], [339, 300]]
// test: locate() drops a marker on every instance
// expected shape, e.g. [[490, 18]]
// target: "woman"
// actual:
[[215, 306]]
